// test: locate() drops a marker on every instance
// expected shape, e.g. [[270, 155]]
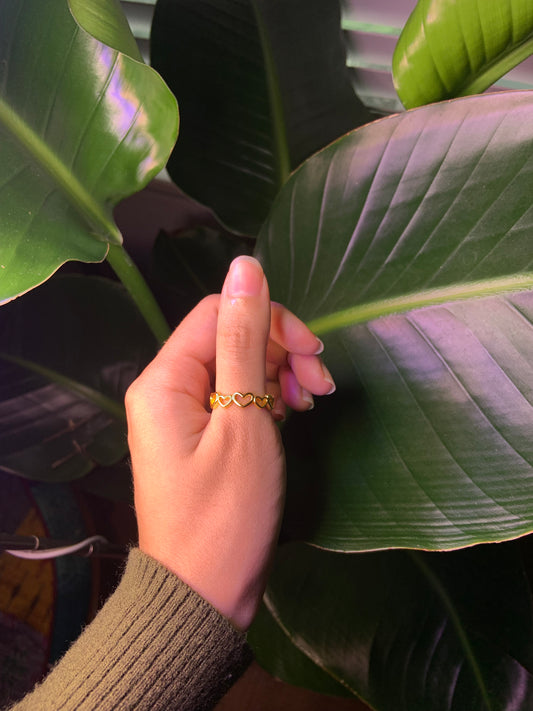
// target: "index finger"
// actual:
[[185, 364], [291, 333]]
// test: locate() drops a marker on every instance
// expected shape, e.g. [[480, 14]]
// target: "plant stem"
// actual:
[[431, 297], [107, 404], [132, 279]]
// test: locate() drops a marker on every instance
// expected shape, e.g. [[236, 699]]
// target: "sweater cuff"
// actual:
[[155, 645]]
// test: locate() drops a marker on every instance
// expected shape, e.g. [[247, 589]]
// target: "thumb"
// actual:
[[243, 329]]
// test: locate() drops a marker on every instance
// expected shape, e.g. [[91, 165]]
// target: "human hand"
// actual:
[[209, 486]]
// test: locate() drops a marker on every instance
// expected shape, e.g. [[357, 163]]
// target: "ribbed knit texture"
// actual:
[[155, 646]]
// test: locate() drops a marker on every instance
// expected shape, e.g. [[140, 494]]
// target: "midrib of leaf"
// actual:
[[104, 228], [279, 129], [105, 403], [408, 302], [499, 66], [448, 605]]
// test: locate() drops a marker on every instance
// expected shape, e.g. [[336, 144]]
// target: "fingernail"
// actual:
[[308, 398], [328, 378], [320, 347], [245, 277]]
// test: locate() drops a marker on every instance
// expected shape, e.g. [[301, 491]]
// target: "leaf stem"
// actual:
[[132, 279], [431, 297], [114, 408]]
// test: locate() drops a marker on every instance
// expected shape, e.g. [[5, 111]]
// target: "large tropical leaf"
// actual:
[[262, 84], [274, 650], [407, 631], [449, 48], [67, 354], [81, 126], [427, 442]]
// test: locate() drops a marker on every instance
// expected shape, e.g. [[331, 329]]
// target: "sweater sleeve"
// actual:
[[155, 645]]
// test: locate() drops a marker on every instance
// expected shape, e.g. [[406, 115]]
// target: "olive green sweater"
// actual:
[[154, 646]]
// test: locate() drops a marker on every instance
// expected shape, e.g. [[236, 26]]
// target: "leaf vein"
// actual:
[[454, 375], [318, 231], [405, 231], [388, 433]]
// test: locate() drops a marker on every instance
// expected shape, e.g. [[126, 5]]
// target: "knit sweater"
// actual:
[[155, 645]]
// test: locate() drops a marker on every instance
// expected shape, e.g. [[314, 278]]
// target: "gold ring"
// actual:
[[241, 400]]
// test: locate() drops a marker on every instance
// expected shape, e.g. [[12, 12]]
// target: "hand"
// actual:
[[210, 485]]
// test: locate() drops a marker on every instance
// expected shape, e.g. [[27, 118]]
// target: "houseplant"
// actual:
[[365, 206], [407, 205]]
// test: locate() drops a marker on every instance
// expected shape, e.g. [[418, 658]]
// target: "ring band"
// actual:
[[241, 400]]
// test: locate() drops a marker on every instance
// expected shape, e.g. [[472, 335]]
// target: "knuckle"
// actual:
[[209, 301], [134, 396]]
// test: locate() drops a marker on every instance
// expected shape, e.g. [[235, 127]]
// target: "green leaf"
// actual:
[[261, 86], [449, 48], [106, 21], [275, 651], [81, 126], [410, 631], [68, 353], [427, 442]]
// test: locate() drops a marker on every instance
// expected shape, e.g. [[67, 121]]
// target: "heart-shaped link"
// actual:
[[217, 399], [243, 400], [264, 401]]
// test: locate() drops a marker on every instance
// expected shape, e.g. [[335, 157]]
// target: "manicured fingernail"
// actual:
[[320, 347], [328, 379], [245, 277], [308, 398]]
